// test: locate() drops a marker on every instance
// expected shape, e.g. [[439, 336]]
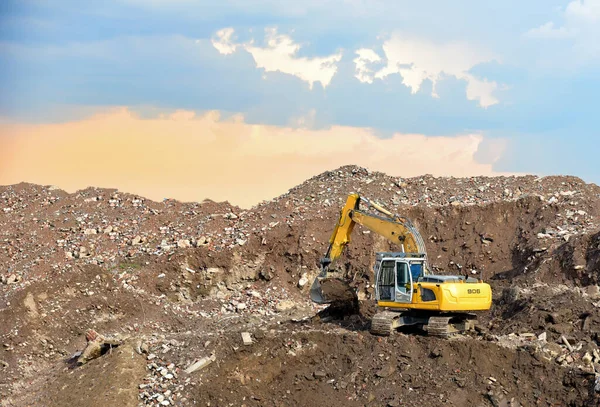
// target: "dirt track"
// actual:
[[186, 280]]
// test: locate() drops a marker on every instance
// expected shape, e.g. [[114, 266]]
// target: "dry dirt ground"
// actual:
[[183, 284]]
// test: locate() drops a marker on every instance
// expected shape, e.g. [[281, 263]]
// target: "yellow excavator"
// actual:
[[405, 289]]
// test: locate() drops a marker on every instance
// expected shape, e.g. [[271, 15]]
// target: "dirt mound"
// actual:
[[303, 367], [184, 281]]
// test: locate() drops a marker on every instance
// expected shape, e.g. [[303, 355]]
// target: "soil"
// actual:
[[183, 281]]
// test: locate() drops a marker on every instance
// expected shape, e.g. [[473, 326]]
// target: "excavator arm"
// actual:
[[396, 229]]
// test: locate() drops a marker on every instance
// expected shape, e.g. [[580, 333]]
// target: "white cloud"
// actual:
[[549, 31], [223, 41], [280, 55], [581, 25], [363, 62], [584, 10], [417, 60], [481, 90]]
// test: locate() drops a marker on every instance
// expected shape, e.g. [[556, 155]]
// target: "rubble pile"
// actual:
[[207, 303], [47, 229]]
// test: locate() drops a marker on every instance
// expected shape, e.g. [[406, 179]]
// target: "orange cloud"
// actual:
[[192, 157]]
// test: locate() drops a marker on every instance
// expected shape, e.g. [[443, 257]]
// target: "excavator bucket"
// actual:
[[329, 287], [316, 290]]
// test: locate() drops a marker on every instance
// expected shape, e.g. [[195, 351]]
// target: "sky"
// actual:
[[243, 99]]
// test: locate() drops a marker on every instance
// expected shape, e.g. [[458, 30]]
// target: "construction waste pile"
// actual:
[[110, 299]]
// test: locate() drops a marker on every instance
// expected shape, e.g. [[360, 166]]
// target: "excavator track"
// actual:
[[443, 327], [383, 323], [439, 326]]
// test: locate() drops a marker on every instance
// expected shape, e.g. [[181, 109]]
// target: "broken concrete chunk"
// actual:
[[200, 364], [246, 338], [542, 337], [566, 342], [285, 305], [303, 281], [183, 243], [97, 345]]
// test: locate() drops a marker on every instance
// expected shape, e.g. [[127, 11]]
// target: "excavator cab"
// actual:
[[395, 274]]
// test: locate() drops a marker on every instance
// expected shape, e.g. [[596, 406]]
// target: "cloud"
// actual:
[[363, 62], [223, 42], [584, 10], [581, 25], [549, 31], [280, 55], [192, 157], [417, 60]]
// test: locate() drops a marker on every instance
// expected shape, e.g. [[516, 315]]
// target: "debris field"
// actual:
[[110, 299]]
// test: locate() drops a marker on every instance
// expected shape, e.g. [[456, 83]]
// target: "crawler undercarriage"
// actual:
[[435, 324]]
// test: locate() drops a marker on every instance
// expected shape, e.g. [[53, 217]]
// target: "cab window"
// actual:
[[402, 277]]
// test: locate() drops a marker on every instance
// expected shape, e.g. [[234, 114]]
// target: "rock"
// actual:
[[542, 337], [510, 295], [255, 294], [285, 305], [90, 232], [386, 371], [183, 243], [266, 274], [12, 279], [200, 364], [593, 291], [96, 346], [246, 338], [144, 348], [241, 306], [136, 240], [319, 374], [303, 281]]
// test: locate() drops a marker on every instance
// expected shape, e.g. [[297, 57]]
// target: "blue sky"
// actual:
[[526, 73]]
